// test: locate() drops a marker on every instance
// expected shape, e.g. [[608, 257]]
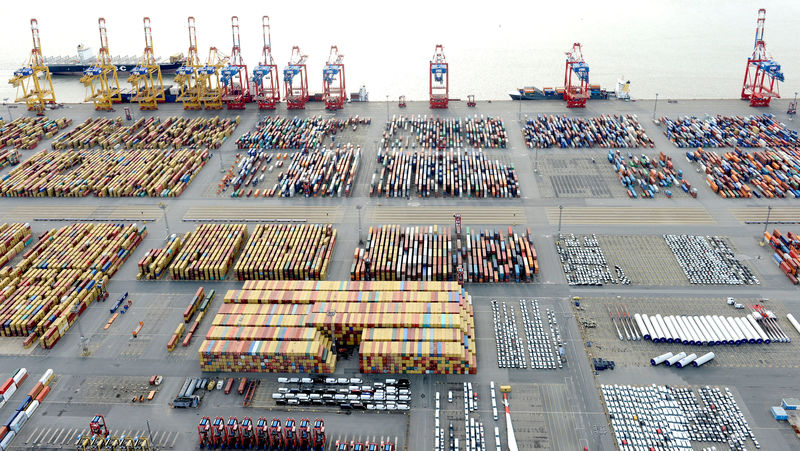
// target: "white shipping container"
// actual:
[[20, 374], [18, 422], [10, 392], [31, 408], [47, 377], [6, 443]]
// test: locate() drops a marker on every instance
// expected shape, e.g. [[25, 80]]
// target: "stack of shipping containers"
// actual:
[[60, 276], [292, 326], [423, 253], [287, 251], [208, 252]]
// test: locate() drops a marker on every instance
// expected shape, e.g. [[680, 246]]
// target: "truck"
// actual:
[[184, 402]]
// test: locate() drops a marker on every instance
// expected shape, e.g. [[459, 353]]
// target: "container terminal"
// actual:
[[642, 275]]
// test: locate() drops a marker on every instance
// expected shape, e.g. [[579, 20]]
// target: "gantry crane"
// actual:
[[439, 79], [187, 77], [762, 74], [208, 78], [576, 94], [146, 76], [100, 79], [265, 75], [33, 82], [333, 82], [235, 83], [296, 94]]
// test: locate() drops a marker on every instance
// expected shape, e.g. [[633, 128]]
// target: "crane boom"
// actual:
[[510, 437], [265, 75], [762, 74], [333, 80], [146, 76]]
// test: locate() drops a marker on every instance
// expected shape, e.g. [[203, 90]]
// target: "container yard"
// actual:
[[28, 132], [105, 173], [771, 173], [209, 252], [664, 323], [287, 252], [604, 131], [422, 253], [283, 326], [729, 131], [60, 276], [559, 411], [313, 173], [444, 133], [404, 173], [146, 133], [281, 133]]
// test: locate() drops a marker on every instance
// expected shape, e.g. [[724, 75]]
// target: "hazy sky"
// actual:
[[678, 48]]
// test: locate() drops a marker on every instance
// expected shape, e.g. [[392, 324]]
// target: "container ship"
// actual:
[[76, 64], [596, 92]]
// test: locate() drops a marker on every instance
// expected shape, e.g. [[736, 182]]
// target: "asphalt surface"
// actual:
[[555, 409]]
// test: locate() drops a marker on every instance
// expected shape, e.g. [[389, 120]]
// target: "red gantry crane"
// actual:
[[576, 94], [335, 93], [762, 74], [439, 79], [296, 93], [265, 75], [235, 82]]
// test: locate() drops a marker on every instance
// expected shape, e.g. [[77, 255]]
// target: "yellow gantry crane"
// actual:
[[146, 76], [33, 82], [100, 79], [186, 75], [208, 80]]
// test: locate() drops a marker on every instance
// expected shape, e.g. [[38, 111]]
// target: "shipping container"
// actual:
[[148, 133], [287, 252], [208, 252], [27, 132], [105, 173], [297, 133], [608, 131]]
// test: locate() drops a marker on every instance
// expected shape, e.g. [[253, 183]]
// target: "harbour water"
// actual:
[[679, 49]]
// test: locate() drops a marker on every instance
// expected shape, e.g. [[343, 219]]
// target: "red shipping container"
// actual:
[[42, 394]]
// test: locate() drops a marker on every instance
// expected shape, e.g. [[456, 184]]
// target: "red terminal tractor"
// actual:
[[233, 433], [204, 433], [249, 438], [265, 75], [402, 102], [576, 94], [262, 433], [304, 433], [762, 74], [290, 438], [296, 92], [275, 434], [235, 82], [98, 426], [439, 79], [218, 433], [333, 82], [318, 435]]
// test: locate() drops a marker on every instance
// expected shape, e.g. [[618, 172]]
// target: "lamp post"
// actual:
[[360, 241], [655, 104], [560, 210], [163, 208]]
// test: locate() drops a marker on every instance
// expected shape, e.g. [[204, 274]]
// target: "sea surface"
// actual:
[[679, 49]]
